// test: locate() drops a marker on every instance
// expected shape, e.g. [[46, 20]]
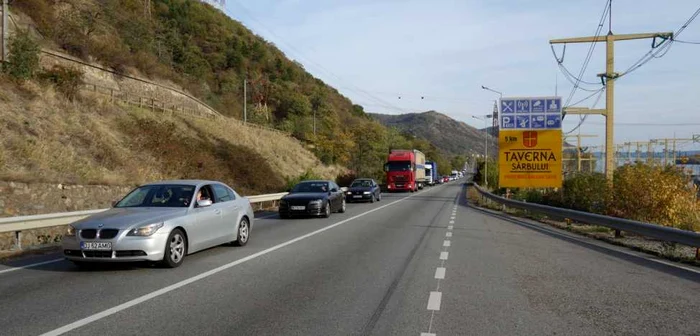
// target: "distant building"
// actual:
[[219, 4]]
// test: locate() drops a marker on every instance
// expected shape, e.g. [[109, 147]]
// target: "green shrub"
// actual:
[[66, 79], [23, 60], [655, 194], [344, 180], [586, 192]]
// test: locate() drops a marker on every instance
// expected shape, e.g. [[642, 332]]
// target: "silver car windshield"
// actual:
[[170, 196]]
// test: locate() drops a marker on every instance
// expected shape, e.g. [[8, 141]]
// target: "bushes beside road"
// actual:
[[662, 195]]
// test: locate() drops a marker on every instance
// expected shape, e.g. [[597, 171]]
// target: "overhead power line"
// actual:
[[321, 68], [658, 51], [591, 48], [686, 42]]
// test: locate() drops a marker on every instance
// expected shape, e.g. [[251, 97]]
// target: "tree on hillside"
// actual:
[[24, 56]]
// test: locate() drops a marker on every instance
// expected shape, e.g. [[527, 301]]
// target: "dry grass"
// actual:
[[46, 138]]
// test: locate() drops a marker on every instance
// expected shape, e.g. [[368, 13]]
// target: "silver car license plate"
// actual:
[[357, 196], [298, 207], [101, 246]]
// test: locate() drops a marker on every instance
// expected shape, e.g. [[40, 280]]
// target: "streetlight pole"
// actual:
[[486, 146], [495, 108]]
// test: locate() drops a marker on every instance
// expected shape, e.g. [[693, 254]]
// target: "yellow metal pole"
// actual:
[[609, 105], [578, 153]]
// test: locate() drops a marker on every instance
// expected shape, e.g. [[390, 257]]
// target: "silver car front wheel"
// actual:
[[243, 232], [175, 249]]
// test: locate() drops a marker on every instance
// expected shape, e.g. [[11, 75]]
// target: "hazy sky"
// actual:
[[443, 50]]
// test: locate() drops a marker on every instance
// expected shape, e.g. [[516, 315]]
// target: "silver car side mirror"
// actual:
[[204, 203]]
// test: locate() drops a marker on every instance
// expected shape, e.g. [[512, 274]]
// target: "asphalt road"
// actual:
[[412, 264]]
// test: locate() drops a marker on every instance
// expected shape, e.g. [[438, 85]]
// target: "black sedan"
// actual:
[[363, 189], [312, 198]]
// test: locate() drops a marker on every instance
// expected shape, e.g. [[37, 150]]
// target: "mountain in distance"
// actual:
[[452, 137]]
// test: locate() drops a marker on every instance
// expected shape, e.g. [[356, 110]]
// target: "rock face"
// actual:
[[22, 199]]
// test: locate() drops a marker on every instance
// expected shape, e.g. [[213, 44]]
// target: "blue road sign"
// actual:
[[507, 122], [554, 105], [522, 106], [507, 106], [537, 121], [537, 105], [522, 121], [523, 113], [553, 121]]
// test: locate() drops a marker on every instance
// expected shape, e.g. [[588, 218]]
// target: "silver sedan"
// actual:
[[162, 221]]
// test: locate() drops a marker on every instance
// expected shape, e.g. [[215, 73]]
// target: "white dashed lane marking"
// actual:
[[446, 243], [449, 227], [448, 234], [440, 273], [444, 255], [434, 301]]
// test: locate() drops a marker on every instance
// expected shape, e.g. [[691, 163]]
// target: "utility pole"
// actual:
[[695, 138], [245, 101], [650, 159], [486, 146], [578, 147], [609, 80], [3, 49]]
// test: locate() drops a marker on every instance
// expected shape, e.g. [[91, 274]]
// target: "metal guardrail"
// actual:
[[655, 231], [23, 223]]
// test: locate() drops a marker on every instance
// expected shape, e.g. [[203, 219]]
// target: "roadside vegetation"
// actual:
[[210, 55], [51, 133], [655, 194]]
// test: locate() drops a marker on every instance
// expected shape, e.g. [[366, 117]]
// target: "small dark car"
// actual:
[[312, 198], [363, 189]]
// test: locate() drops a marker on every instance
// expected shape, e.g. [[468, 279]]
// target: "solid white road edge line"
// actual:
[[426, 334], [31, 265], [434, 300], [164, 290]]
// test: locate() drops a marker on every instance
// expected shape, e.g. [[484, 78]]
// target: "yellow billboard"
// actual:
[[529, 158]]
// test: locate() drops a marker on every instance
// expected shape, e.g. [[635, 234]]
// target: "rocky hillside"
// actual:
[[452, 137], [204, 52]]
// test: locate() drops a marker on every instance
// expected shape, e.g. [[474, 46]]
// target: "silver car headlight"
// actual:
[[366, 192], [316, 202], [70, 232], [349, 193], [146, 230]]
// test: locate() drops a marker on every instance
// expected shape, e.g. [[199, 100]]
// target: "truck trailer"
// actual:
[[431, 172]]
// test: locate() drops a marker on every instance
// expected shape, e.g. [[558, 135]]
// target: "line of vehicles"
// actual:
[[165, 221], [408, 170]]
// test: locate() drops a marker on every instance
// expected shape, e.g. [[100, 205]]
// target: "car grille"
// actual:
[[130, 253], [108, 233], [400, 178], [88, 233], [97, 254]]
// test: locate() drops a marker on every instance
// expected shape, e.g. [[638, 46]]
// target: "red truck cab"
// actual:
[[403, 170]]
